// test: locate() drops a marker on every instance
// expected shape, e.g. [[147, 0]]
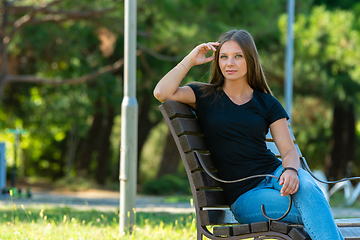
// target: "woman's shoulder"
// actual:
[[266, 99], [265, 95], [198, 85], [201, 88]]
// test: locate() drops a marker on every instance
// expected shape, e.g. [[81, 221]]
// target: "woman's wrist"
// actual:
[[288, 169], [187, 62], [291, 169], [181, 64]]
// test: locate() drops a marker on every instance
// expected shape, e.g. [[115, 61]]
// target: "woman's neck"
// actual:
[[239, 92], [238, 89]]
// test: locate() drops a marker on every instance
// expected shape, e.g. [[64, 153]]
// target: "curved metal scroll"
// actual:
[[243, 179], [307, 168]]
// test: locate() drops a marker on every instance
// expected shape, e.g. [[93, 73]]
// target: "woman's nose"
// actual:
[[230, 62]]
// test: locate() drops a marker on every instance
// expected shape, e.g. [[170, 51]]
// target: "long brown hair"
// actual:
[[255, 73]]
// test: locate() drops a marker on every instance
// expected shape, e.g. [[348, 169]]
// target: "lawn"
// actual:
[[47, 222], [18, 222]]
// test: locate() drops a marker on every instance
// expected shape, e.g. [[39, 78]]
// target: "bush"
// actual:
[[168, 185], [75, 183]]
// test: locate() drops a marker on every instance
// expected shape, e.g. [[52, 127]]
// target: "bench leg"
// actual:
[[199, 236]]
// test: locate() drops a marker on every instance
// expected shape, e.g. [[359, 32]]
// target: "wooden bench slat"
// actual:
[[186, 126], [241, 229], [270, 138], [272, 147], [211, 199], [192, 143], [223, 231], [299, 234], [194, 164], [281, 227], [348, 222], [259, 227], [217, 217], [177, 109], [350, 233], [203, 181]]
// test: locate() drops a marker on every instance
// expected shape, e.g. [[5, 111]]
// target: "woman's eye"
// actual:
[[223, 57], [238, 56]]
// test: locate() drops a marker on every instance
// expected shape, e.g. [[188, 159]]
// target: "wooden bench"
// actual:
[[213, 216]]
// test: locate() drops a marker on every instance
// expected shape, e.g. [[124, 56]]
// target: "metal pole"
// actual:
[[2, 168], [289, 58], [14, 169], [129, 124]]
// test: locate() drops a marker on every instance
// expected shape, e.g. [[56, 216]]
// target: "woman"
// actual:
[[235, 112]]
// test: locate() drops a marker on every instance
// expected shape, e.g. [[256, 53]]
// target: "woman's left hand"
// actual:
[[290, 181]]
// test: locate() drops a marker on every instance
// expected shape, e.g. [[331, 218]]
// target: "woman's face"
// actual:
[[232, 61]]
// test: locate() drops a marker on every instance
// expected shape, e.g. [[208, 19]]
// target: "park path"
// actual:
[[103, 200]]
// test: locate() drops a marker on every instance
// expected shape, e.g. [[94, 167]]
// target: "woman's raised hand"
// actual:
[[198, 55], [168, 87]]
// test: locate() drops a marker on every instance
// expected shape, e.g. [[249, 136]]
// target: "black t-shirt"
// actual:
[[235, 136]]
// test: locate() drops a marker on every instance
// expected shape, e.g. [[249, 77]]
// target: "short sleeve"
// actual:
[[275, 111], [198, 92]]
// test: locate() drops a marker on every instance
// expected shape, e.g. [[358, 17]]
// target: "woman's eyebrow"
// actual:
[[226, 53]]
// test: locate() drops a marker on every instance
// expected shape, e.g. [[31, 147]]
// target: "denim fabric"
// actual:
[[309, 206]]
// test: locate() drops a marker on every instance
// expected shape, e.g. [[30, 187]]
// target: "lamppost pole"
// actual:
[[289, 61], [129, 124]]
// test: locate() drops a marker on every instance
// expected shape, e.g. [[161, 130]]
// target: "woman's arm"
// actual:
[[290, 157], [168, 87]]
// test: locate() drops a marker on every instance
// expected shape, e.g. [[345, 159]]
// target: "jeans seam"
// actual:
[[308, 228]]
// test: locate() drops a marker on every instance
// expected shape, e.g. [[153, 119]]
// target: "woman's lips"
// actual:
[[230, 71]]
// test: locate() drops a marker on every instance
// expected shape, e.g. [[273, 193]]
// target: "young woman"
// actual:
[[235, 111]]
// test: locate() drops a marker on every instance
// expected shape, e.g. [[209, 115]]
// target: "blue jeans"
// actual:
[[309, 206]]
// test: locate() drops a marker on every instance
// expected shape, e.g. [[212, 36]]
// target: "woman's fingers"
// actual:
[[209, 46], [212, 45], [290, 182], [198, 55]]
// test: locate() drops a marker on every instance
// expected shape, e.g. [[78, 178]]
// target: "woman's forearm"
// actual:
[[169, 84], [291, 159]]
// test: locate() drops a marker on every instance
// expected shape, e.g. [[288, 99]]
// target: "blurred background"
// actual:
[[61, 81]]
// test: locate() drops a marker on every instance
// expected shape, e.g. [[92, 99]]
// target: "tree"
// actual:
[[38, 47], [15, 16], [326, 68]]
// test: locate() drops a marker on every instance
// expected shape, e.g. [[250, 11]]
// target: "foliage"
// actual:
[[75, 183], [325, 73], [59, 118], [54, 115]]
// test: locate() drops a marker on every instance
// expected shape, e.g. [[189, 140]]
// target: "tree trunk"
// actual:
[[103, 157], [3, 47], [342, 154], [144, 124], [116, 173], [170, 158], [72, 146], [90, 143]]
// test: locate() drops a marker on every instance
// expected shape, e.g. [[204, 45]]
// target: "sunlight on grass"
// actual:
[[46, 222], [18, 222]]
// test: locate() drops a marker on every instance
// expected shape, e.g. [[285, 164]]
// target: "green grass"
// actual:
[[18, 222], [46, 222], [178, 199]]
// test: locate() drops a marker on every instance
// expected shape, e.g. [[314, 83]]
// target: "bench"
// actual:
[[213, 216]]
